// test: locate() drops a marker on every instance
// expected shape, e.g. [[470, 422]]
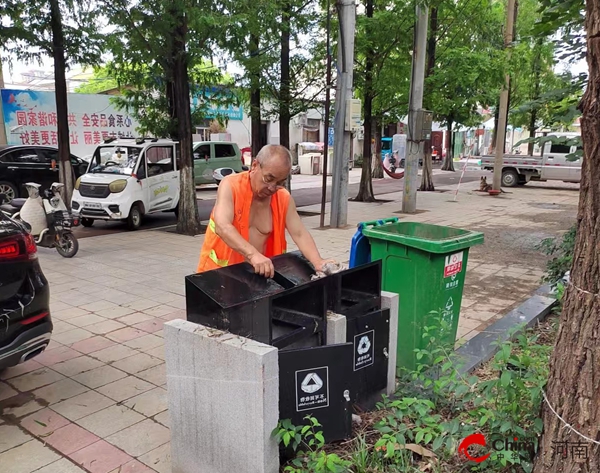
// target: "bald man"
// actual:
[[252, 212]]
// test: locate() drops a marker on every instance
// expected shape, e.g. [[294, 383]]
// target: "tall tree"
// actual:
[[153, 54], [285, 96], [427, 174], [365, 190], [60, 93], [67, 32], [188, 221], [381, 78], [251, 38], [294, 83], [467, 63], [255, 103], [572, 389]]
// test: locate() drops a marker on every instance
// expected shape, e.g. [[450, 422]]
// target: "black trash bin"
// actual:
[[290, 313], [237, 300]]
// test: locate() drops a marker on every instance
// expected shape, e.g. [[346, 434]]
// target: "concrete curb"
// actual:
[[484, 346]]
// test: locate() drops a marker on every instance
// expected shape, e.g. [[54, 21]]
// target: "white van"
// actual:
[[127, 179]]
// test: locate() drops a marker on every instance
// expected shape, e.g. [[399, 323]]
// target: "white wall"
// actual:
[[241, 130]]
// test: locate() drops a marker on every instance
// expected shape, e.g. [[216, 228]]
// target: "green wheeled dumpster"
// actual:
[[425, 265]]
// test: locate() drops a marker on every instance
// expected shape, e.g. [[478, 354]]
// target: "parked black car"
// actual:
[[25, 323], [20, 164]]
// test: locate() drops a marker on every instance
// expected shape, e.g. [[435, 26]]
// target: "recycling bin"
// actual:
[[318, 382], [425, 265], [351, 292], [369, 334], [239, 301], [289, 312]]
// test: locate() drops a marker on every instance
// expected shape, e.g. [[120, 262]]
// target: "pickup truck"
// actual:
[[552, 165]]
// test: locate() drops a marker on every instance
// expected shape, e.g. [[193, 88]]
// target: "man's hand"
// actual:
[[262, 265], [319, 265]]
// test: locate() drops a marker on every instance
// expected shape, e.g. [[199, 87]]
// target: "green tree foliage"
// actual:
[[141, 63], [67, 32], [251, 38], [158, 50], [100, 81], [381, 72], [26, 31], [556, 37], [469, 63], [306, 61]]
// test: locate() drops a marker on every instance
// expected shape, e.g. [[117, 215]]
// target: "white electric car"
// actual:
[[127, 179]]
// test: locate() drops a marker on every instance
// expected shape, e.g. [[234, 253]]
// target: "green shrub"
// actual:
[[561, 250]]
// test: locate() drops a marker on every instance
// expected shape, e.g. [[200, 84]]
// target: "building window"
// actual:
[[311, 131], [203, 129]]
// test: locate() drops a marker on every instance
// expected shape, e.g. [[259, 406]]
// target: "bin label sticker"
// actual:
[[453, 264], [312, 389], [448, 312], [364, 350], [452, 284]]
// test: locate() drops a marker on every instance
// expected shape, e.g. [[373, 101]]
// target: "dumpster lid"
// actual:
[[234, 285], [423, 236]]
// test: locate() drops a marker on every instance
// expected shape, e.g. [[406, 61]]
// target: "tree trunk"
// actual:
[[536, 94], [188, 221], [448, 164], [377, 168], [574, 380], [532, 130], [365, 189], [495, 135], [427, 172], [255, 95], [173, 133], [60, 93], [284, 94]]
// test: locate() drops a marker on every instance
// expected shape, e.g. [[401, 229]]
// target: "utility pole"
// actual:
[[327, 107], [414, 153], [503, 115], [341, 150], [2, 124]]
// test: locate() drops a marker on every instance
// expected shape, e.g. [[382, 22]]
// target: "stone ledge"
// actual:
[[484, 345]]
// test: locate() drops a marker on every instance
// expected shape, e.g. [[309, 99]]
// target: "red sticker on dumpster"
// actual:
[[453, 264]]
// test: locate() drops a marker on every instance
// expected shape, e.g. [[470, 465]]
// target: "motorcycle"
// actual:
[[47, 219]]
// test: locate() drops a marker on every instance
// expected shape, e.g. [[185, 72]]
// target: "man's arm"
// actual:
[[223, 217], [303, 239]]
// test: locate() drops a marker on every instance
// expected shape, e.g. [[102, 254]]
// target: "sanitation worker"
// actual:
[[252, 212]]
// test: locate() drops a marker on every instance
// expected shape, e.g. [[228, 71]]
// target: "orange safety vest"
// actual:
[[216, 253]]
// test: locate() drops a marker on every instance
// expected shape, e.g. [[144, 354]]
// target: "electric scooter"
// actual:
[[47, 219]]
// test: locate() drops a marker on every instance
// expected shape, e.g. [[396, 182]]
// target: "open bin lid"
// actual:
[[423, 236], [235, 284], [294, 267]]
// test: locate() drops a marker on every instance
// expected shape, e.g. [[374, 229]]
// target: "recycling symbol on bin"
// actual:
[[312, 383], [449, 304], [364, 345]]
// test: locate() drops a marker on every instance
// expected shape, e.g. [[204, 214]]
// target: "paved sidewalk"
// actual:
[[96, 400]]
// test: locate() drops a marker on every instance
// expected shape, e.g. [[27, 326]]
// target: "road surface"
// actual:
[[303, 197]]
